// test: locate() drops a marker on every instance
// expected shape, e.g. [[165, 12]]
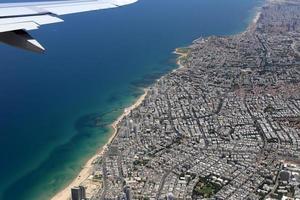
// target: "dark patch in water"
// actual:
[[113, 98], [86, 121]]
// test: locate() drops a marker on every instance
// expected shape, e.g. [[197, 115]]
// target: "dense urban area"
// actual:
[[225, 125]]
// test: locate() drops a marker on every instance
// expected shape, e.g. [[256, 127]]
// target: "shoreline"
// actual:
[[181, 55], [85, 172]]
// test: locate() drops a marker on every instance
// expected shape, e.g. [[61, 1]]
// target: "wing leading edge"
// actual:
[[18, 18]]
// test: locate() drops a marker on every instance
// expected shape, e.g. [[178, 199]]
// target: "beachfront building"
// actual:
[[78, 193]]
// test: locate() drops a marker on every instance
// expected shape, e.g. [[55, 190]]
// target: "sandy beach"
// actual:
[[256, 18], [87, 170]]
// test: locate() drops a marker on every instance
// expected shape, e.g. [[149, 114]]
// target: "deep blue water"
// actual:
[[94, 64]]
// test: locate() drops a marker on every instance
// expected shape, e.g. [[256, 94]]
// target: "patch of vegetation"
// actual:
[[269, 109], [140, 162], [205, 189]]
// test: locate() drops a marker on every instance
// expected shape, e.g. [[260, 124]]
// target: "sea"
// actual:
[[56, 107]]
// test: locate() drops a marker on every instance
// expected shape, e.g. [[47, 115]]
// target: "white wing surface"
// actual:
[[18, 18]]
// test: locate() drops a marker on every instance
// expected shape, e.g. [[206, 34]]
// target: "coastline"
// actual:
[[85, 172], [143, 69], [182, 54]]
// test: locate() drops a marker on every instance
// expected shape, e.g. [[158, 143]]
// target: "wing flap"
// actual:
[[40, 20], [18, 26], [16, 11], [21, 39]]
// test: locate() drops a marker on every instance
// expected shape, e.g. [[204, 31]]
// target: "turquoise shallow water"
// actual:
[[55, 108]]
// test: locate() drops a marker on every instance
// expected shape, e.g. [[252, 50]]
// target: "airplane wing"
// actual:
[[18, 18]]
